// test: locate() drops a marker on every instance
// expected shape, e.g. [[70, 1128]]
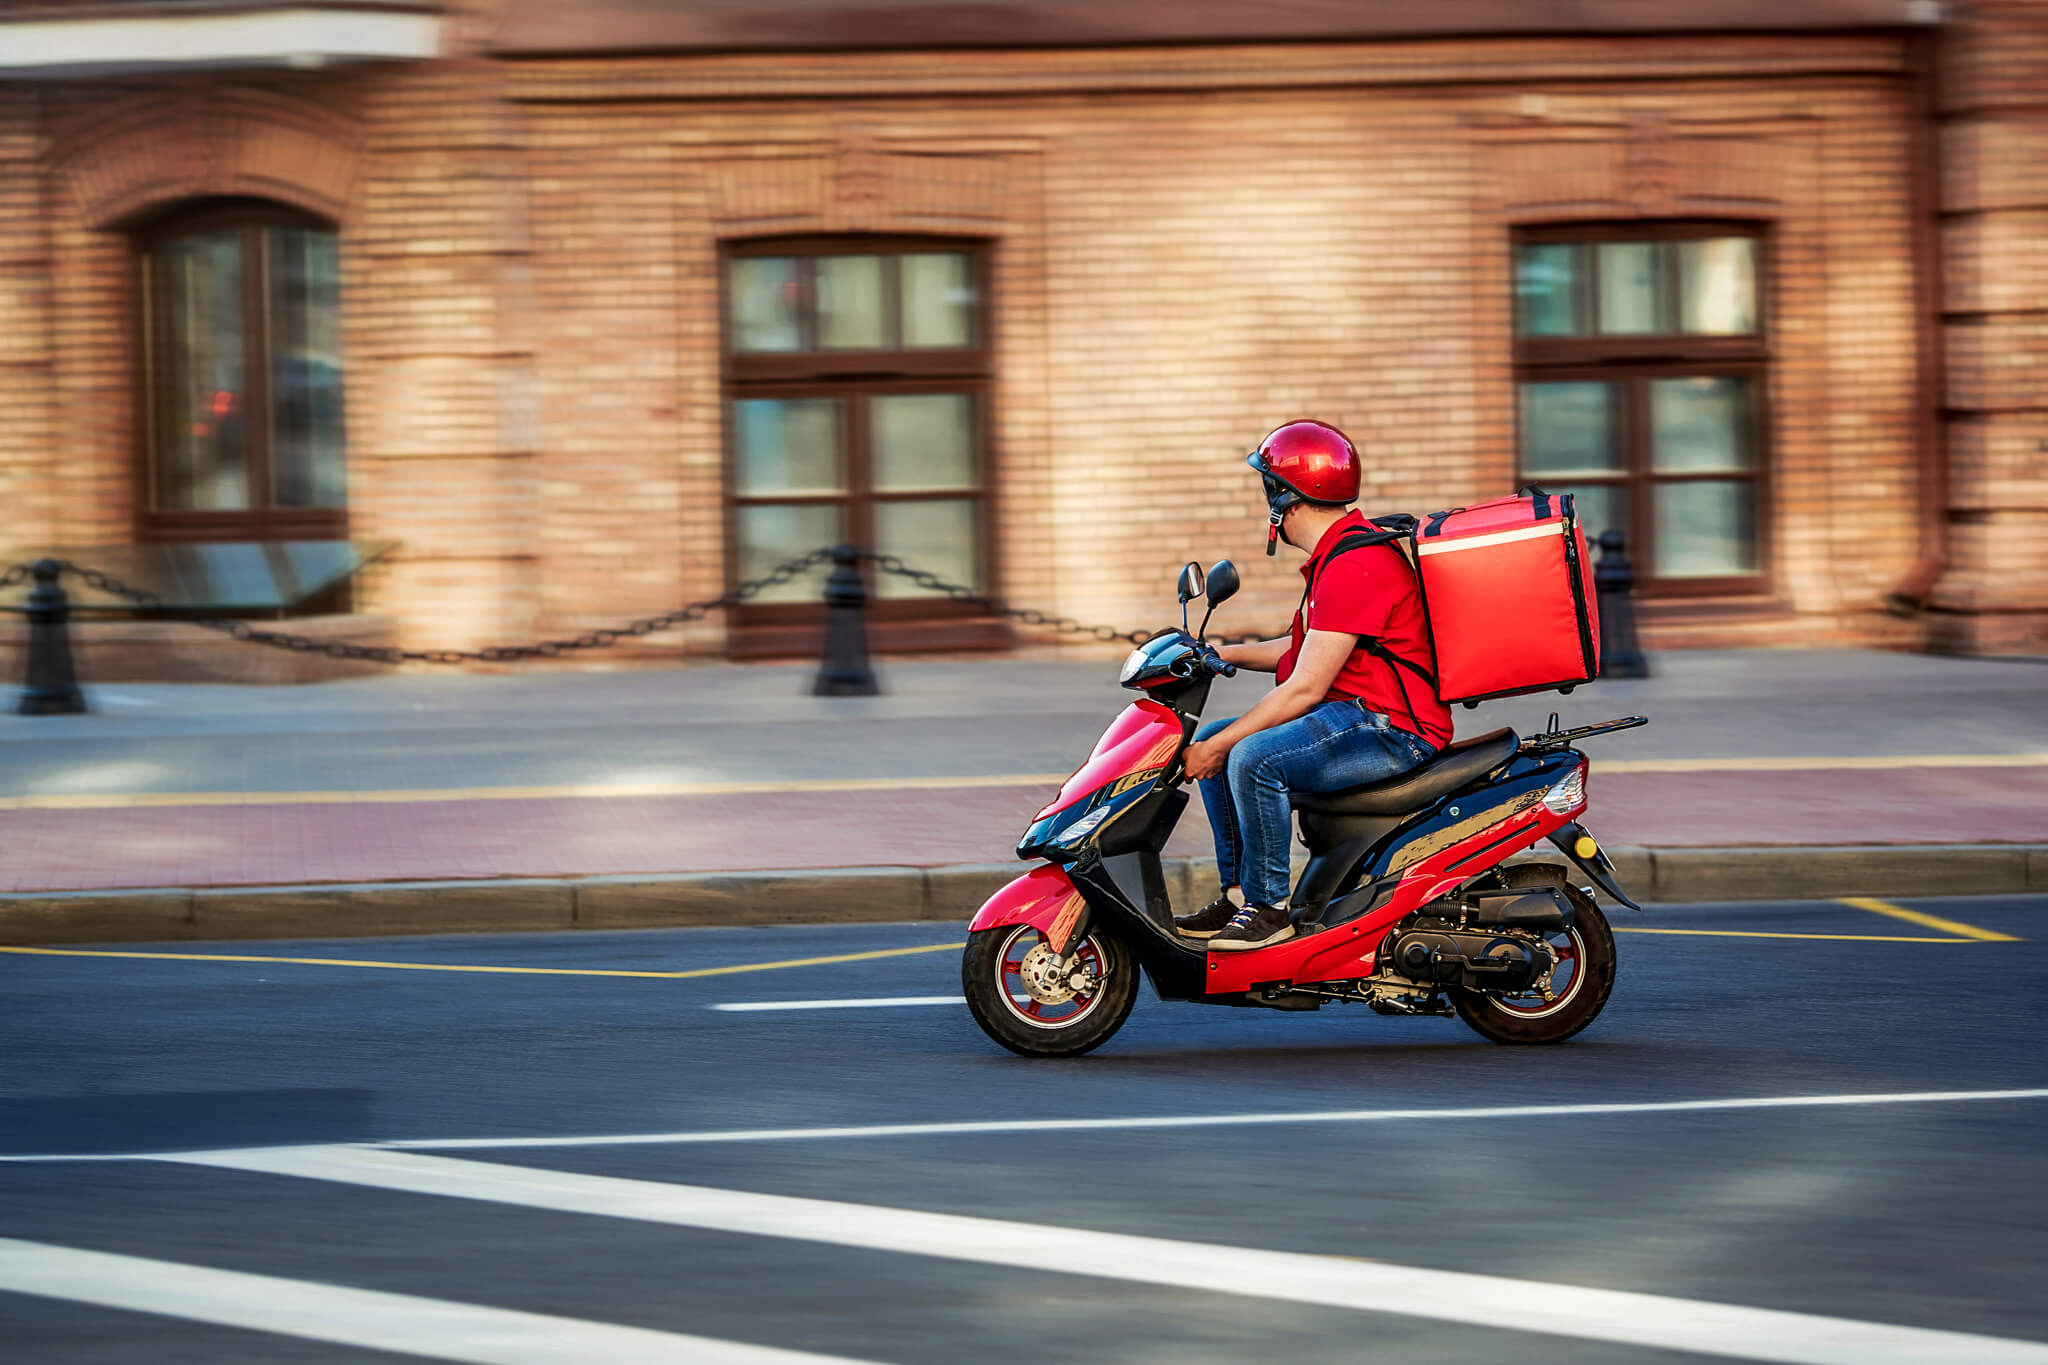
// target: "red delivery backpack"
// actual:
[[1507, 586]]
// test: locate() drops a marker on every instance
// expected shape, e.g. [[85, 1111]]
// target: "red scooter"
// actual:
[[1405, 905]]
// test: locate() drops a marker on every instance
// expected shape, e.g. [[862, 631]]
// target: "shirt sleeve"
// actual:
[[1356, 593]]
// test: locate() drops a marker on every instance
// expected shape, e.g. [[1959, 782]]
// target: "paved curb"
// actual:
[[872, 894]]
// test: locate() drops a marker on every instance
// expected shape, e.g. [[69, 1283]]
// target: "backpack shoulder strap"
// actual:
[[1388, 530]]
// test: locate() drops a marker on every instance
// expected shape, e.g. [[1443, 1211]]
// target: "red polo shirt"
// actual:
[[1372, 591]]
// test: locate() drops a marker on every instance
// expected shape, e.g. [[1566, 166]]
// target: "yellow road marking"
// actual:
[[614, 790], [1921, 917], [1758, 933], [510, 971], [587, 791]]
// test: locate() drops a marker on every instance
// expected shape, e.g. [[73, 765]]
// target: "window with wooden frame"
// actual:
[[240, 412], [1641, 368], [858, 376]]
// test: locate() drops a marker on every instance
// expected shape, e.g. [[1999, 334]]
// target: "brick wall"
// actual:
[[1190, 246], [1994, 228]]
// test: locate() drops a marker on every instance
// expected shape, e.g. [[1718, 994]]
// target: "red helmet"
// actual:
[[1305, 462]]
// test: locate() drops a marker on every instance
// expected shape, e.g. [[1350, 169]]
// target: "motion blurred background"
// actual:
[[557, 314]]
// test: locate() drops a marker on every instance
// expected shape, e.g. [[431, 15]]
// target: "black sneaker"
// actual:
[[1205, 922], [1255, 926]]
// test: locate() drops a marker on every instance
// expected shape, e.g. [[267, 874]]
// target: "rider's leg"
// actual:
[[1223, 822], [1223, 827], [1334, 746]]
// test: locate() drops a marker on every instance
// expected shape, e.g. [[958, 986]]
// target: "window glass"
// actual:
[[924, 441], [938, 299], [1547, 289], [769, 535], [766, 304], [851, 315], [787, 445], [1700, 425], [306, 441], [202, 447], [1569, 427], [1717, 286], [1630, 301], [1705, 528], [938, 536]]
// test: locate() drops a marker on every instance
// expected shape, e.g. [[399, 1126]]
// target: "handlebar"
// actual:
[[1214, 662]]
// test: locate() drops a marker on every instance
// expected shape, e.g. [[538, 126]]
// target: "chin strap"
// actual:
[[1272, 535]]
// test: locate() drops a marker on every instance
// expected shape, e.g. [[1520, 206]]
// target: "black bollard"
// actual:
[[52, 686], [845, 671], [1614, 580]]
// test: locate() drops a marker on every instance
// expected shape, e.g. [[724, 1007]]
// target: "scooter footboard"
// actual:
[[1044, 898]]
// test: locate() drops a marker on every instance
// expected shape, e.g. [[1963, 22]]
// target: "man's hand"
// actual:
[[1205, 759]]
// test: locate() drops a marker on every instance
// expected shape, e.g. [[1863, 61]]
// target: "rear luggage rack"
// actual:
[[1554, 738]]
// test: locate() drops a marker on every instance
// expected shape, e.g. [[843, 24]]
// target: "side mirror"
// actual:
[[1192, 583], [1222, 582]]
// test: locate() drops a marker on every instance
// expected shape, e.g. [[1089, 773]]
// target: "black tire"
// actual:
[[985, 980], [1585, 994]]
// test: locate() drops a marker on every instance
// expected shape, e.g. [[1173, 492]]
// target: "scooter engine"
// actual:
[[1479, 961]]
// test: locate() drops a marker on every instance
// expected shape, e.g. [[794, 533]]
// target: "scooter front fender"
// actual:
[[1044, 898]]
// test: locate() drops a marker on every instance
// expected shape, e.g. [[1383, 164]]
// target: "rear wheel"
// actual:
[[1581, 977], [1039, 1004]]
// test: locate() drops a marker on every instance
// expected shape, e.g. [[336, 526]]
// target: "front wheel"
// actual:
[[1581, 977], [1038, 1004]]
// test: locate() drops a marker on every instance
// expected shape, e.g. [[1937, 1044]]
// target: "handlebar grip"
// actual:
[[1216, 664]]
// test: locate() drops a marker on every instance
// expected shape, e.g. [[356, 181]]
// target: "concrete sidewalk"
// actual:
[[509, 782]]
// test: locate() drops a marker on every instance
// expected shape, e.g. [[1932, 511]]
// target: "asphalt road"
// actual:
[[1924, 1213]]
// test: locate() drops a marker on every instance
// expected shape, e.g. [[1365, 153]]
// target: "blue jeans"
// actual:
[[1339, 744]]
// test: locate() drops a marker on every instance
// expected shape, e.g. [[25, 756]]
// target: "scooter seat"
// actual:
[[1452, 768]]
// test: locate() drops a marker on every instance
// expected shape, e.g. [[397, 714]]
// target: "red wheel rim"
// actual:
[[1026, 948], [1567, 975]]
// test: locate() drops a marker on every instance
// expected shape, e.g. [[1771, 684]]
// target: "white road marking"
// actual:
[[874, 1002], [372, 1319], [1510, 1111], [1648, 1320]]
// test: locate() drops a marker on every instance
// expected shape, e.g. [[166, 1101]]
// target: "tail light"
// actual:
[[1569, 794]]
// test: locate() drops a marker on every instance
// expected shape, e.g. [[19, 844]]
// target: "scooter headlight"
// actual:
[[1569, 794], [1134, 664], [1073, 834]]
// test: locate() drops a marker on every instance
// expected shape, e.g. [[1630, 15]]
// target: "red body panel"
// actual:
[[1038, 898], [1505, 600], [1347, 951], [1144, 735]]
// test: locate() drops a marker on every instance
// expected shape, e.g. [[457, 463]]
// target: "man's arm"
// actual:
[[1260, 656], [1323, 653]]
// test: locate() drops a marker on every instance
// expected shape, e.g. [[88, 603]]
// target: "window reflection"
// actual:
[[938, 300], [1547, 289], [925, 441], [306, 438], [940, 536], [201, 376], [1705, 529]]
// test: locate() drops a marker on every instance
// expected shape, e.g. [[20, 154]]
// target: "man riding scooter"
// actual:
[[1355, 700]]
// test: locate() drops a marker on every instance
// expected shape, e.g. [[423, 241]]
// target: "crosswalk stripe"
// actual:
[[369, 1318], [1113, 1123], [1636, 1319]]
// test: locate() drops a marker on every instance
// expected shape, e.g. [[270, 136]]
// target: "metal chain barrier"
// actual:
[[341, 649], [1062, 625], [782, 573]]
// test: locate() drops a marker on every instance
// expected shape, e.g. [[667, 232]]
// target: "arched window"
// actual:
[[241, 412]]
